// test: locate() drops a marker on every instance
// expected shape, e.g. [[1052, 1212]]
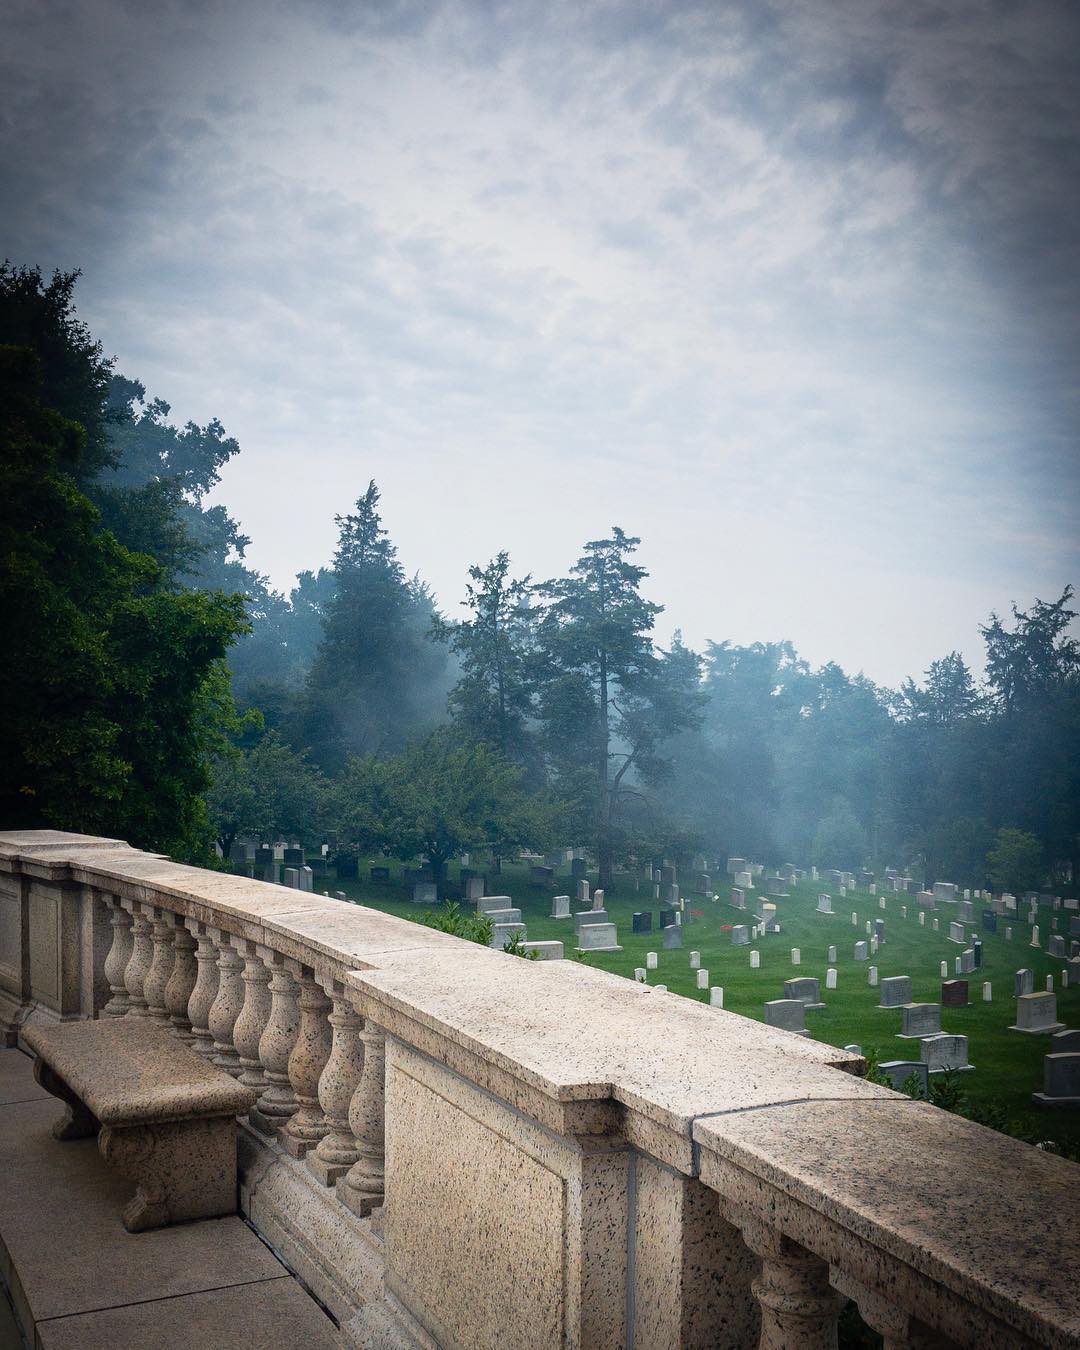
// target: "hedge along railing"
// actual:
[[540, 1154]]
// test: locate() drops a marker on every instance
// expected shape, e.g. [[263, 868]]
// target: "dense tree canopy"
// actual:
[[113, 685]]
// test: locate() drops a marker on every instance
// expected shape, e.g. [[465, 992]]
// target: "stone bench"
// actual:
[[164, 1118]]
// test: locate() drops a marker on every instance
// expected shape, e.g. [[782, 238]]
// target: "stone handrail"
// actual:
[[460, 1148]]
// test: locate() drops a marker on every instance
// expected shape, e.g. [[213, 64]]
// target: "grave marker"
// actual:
[[1061, 1081], [943, 1052], [895, 990], [787, 1014], [920, 1019], [806, 990], [1036, 1015]]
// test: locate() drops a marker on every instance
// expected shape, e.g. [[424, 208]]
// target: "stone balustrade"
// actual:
[[456, 1147]]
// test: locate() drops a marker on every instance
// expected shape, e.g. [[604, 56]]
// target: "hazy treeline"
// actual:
[[156, 704]]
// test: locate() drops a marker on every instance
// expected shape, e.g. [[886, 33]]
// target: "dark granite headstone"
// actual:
[[643, 922], [989, 920], [294, 857], [667, 918], [976, 947], [954, 993], [578, 868], [380, 876]]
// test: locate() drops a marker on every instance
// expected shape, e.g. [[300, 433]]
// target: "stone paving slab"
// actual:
[[17, 1080], [65, 1254], [273, 1315]]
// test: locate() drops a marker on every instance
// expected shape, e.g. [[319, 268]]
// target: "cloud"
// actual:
[[790, 291]]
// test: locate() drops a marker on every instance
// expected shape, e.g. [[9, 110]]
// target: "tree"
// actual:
[[493, 699], [269, 790], [948, 697], [443, 796], [1027, 663], [372, 678], [607, 701], [72, 373], [1015, 861], [839, 840], [113, 684]]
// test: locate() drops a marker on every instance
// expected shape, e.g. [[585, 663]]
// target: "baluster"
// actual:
[[157, 977], [898, 1329], [336, 1151], [361, 1189], [227, 1004], [306, 1063], [181, 981], [117, 960], [253, 1017], [142, 952], [205, 989], [799, 1307], [278, 1102]]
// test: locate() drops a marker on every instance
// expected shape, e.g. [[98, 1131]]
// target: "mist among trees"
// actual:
[[161, 690]]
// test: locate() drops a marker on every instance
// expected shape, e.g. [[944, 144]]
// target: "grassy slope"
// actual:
[[1008, 1066]]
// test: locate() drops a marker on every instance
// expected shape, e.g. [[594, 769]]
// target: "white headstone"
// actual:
[[583, 892], [831, 956], [861, 951], [703, 979], [716, 996], [650, 960], [944, 970], [796, 956], [830, 978], [871, 976], [640, 974], [755, 960], [988, 992], [695, 960]]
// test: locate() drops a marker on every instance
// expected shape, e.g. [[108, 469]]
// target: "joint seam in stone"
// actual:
[[161, 1298], [631, 1248], [569, 1141]]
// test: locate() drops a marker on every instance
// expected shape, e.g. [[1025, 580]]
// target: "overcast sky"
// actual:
[[789, 289]]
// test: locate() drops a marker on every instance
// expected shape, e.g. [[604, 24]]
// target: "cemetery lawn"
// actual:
[[1008, 1064]]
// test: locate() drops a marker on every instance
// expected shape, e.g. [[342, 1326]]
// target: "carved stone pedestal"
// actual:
[[182, 1170]]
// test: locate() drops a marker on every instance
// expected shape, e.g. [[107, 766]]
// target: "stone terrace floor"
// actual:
[[79, 1281]]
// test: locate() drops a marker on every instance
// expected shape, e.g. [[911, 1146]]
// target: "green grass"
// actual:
[[1008, 1066]]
